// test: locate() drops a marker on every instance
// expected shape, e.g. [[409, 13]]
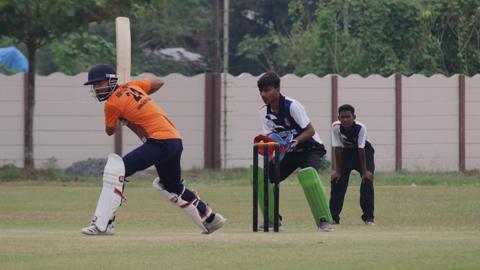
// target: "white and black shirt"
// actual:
[[352, 138], [291, 119]]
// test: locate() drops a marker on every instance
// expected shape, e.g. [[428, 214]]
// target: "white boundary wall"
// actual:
[[374, 101], [68, 123], [430, 118], [430, 122], [11, 119]]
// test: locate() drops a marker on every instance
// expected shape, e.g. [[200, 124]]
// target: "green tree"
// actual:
[[457, 26], [184, 24], [156, 24], [251, 25], [36, 23], [373, 37]]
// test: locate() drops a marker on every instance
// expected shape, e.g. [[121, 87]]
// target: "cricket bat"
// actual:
[[124, 51]]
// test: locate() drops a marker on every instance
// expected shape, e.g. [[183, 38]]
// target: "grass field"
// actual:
[[431, 226]]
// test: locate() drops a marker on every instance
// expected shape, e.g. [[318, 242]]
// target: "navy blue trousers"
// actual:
[[351, 162], [165, 155]]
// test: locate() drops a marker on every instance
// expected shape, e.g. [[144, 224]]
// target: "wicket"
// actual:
[[276, 189]]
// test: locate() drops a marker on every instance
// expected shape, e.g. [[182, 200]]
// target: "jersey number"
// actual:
[[137, 95]]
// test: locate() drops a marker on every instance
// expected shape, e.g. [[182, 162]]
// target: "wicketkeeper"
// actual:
[[287, 118], [162, 147]]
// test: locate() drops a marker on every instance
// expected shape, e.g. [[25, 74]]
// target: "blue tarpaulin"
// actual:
[[12, 58]]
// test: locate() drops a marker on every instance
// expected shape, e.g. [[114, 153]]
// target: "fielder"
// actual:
[[286, 117], [162, 147], [352, 151]]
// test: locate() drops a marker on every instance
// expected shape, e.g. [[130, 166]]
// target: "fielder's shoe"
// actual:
[[325, 226], [370, 222], [93, 230], [213, 224]]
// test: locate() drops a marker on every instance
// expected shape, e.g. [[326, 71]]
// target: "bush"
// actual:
[[11, 172], [89, 167]]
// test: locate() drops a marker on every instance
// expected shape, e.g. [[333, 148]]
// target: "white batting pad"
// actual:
[[112, 191]]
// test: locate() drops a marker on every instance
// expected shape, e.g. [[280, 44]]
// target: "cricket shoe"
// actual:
[[370, 222], [213, 224], [93, 230], [325, 226]]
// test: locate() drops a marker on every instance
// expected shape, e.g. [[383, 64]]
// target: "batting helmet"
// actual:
[[101, 72]]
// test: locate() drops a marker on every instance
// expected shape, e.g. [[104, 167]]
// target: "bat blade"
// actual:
[[123, 44]]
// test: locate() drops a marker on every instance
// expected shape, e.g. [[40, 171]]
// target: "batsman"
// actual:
[[162, 147], [285, 119]]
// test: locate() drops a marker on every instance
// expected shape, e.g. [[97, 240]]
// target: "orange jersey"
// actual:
[[131, 102]]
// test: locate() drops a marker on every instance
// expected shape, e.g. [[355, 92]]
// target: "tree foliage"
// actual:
[[170, 24], [37, 23], [155, 25], [373, 36], [300, 36]]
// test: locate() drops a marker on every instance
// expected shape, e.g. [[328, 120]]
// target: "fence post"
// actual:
[[25, 112], [398, 122], [212, 139], [333, 111], [461, 122]]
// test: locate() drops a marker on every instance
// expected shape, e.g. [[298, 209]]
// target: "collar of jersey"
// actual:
[[281, 103]]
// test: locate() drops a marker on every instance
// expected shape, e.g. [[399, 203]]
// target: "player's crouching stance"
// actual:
[[286, 117], [162, 147]]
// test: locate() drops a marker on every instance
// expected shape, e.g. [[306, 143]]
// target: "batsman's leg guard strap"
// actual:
[[189, 207]]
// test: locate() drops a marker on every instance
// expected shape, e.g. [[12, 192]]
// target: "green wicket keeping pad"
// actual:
[[315, 194], [260, 192]]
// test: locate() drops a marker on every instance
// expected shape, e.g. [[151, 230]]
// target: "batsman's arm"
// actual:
[[112, 115], [138, 130], [110, 131], [155, 84]]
